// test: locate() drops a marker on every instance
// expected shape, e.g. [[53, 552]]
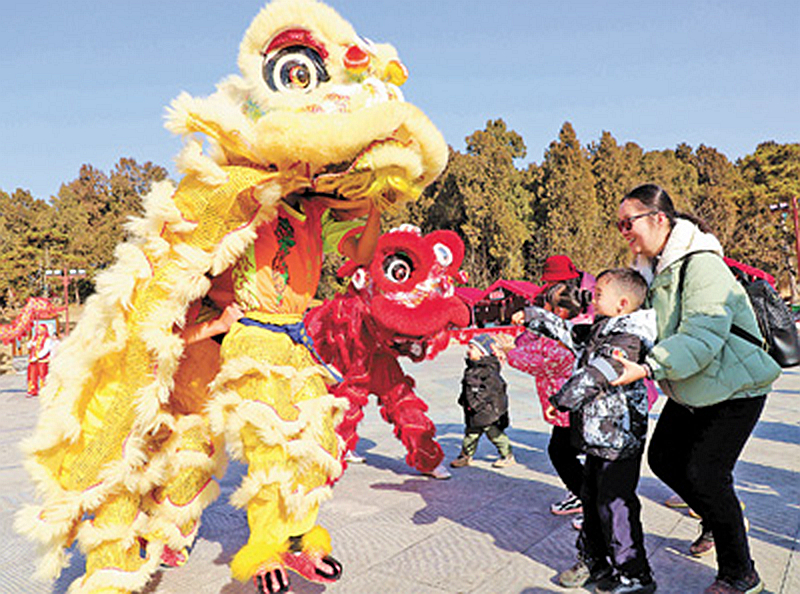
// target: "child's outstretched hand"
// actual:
[[502, 344], [500, 354]]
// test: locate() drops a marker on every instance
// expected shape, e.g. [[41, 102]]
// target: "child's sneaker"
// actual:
[[461, 461], [580, 574], [750, 584], [170, 558], [623, 584], [503, 462], [571, 505]]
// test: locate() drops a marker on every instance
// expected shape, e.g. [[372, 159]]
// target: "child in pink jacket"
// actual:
[[551, 364]]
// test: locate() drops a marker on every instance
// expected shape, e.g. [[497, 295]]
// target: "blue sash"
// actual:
[[297, 333]]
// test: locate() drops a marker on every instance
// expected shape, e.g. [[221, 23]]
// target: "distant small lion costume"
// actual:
[[133, 421]]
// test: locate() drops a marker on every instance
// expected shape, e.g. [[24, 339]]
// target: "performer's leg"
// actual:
[[44, 368], [277, 415], [176, 506], [406, 411], [33, 378], [115, 562], [358, 398]]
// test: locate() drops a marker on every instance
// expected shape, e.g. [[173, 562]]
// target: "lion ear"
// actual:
[[451, 241]]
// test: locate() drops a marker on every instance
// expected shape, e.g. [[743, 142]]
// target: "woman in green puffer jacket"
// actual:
[[716, 382]]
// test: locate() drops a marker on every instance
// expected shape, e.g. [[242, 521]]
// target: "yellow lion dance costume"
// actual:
[[133, 423]]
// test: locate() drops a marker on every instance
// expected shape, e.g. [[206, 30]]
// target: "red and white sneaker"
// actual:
[[569, 505]]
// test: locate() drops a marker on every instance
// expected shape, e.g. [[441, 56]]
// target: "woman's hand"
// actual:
[[550, 413], [518, 318], [631, 371]]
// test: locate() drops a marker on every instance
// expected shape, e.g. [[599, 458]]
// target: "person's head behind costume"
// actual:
[[563, 298], [559, 268]]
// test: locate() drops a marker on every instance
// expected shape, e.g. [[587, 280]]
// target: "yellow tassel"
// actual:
[[250, 559], [317, 539]]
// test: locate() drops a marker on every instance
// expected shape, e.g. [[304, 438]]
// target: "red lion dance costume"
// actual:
[[39, 349], [133, 421], [400, 305], [36, 308]]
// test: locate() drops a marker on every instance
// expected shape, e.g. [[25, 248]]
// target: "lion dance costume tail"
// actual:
[[135, 419]]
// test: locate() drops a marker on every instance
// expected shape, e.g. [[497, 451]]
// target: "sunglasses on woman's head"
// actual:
[[626, 224]]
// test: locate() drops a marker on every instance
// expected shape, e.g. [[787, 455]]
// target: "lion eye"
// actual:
[[444, 255], [294, 69], [398, 268]]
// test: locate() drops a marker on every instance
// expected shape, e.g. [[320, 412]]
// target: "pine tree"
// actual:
[[764, 234], [616, 171], [571, 217]]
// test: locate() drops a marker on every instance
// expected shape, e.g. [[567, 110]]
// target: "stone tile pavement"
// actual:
[[483, 531]]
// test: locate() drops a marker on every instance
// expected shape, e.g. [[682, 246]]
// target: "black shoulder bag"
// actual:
[[775, 319]]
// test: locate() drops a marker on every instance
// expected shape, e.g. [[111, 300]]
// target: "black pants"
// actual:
[[612, 526], [694, 451], [564, 457]]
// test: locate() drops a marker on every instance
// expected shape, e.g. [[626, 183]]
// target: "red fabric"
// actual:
[[751, 270], [346, 336], [471, 295], [37, 373], [36, 308], [403, 308], [37, 344], [550, 362], [559, 268], [518, 287]]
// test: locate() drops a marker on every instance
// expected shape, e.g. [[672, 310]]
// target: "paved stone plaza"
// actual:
[[483, 531]]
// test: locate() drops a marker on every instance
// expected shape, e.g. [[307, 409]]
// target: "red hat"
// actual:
[[559, 268]]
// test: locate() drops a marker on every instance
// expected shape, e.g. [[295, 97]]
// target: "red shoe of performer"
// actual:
[[273, 580], [308, 556], [170, 558], [324, 569]]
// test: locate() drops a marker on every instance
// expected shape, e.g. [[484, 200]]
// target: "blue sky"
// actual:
[[87, 82]]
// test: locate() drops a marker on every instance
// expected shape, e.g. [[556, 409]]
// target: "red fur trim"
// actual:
[[296, 37]]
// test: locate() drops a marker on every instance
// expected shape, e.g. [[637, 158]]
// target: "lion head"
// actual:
[[317, 103]]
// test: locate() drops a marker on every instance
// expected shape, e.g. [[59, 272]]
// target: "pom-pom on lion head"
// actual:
[[318, 104]]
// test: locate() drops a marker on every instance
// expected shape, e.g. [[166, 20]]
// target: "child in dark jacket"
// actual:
[[609, 424], [485, 403]]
